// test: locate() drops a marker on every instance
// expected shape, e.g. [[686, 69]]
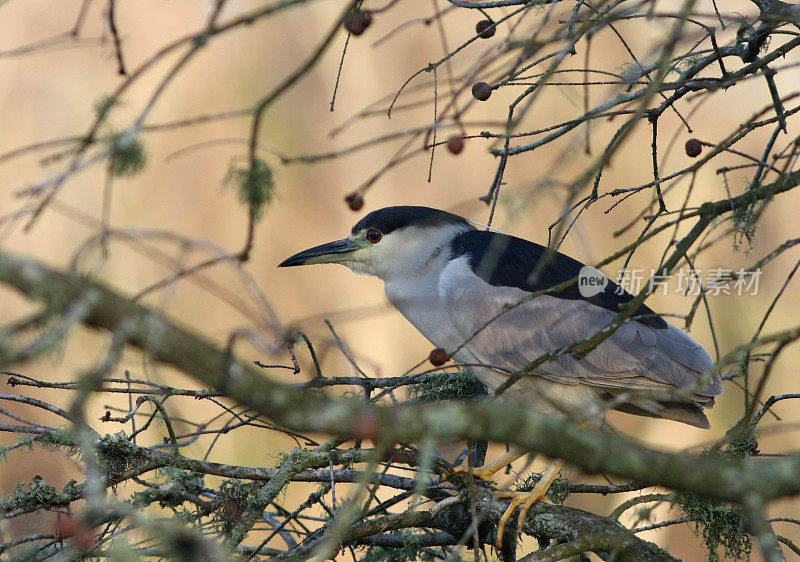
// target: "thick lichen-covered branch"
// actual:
[[592, 450]]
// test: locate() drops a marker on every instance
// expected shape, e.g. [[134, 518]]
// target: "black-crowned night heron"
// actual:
[[468, 291]]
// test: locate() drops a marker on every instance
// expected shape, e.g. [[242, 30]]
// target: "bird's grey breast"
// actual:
[[416, 295]]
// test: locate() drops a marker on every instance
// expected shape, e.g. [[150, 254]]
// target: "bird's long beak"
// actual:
[[332, 252]]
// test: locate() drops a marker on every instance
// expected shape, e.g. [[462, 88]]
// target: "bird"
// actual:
[[497, 303]]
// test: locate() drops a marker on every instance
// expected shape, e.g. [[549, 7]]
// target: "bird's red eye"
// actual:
[[374, 235]]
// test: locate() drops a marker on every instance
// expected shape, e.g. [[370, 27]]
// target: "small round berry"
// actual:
[[438, 357], [693, 148], [484, 28], [367, 426], [357, 22], [455, 144], [354, 201], [81, 535], [481, 91]]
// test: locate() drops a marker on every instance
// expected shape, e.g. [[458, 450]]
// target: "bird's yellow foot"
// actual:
[[481, 473], [525, 500], [487, 472]]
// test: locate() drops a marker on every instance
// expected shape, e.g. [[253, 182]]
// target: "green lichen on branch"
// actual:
[[718, 525], [234, 501], [254, 184], [172, 493], [104, 105], [744, 221], [742, 444], [116, 455], [127, 155], [410, 551], [63, 439], [461, 385], [38, 494]]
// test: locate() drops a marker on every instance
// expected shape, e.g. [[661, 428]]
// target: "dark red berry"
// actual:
[[438, 357], [367, 426], [455, 144], [693, 148], [354, 201], [481, 91], [81, 535], [357, 22], [484, 28]]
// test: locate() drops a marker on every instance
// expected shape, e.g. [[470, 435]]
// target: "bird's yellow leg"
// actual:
[[487, 471], [526, 500]]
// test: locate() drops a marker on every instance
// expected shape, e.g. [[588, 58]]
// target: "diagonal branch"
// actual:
[[592, 450]]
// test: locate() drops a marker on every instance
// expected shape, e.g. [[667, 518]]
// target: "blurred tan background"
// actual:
[[49, 93]]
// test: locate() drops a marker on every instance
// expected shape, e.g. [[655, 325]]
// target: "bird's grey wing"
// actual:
[[636, 356]]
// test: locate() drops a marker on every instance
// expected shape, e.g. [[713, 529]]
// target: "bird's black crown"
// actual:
[[391, 218]]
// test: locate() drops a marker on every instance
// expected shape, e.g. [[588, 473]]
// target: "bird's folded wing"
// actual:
[[502, 330]]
